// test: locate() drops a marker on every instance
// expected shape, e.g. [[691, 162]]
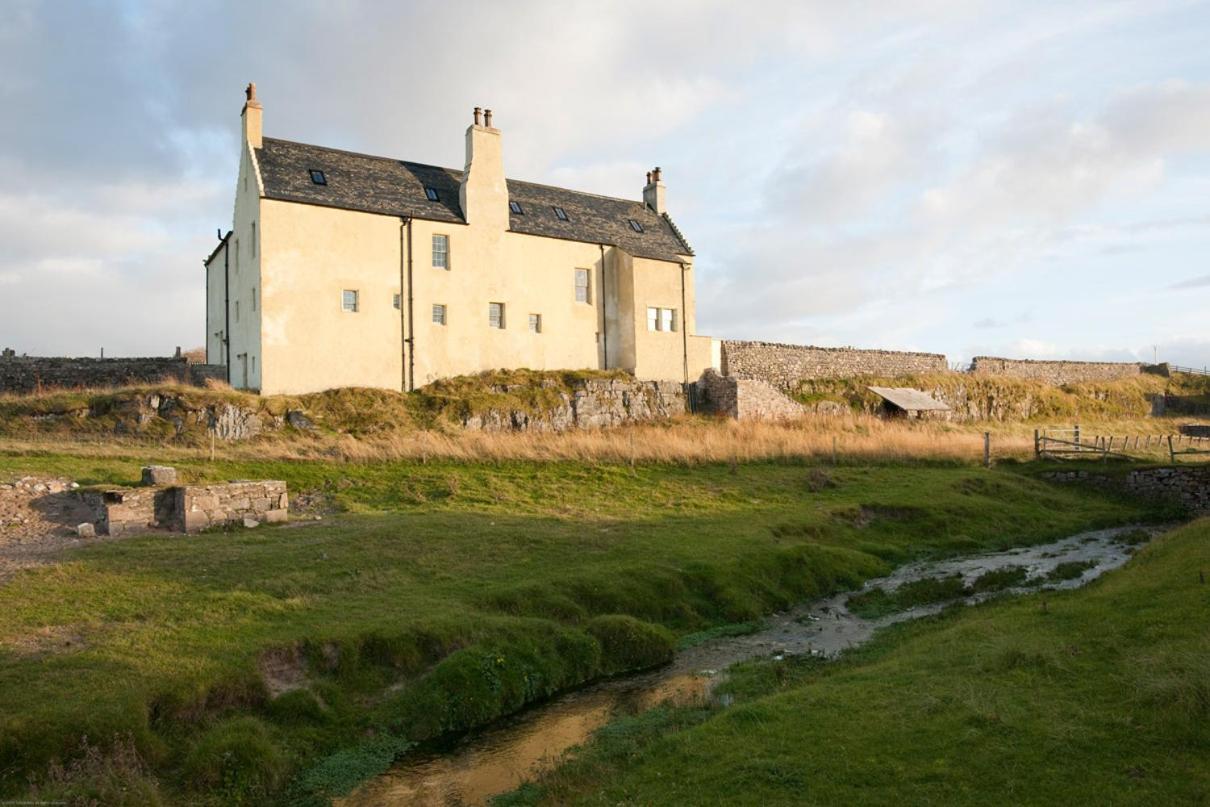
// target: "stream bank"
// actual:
[[482, 765]]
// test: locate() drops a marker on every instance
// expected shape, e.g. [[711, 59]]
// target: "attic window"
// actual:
[[318, 178], [560, 213], [516, 208], [634, 225], [431, 193]]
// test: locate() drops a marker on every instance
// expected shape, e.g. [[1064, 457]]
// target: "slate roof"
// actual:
[[397, 188]]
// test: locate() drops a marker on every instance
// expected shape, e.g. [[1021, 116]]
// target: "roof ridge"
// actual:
[[452, 170]]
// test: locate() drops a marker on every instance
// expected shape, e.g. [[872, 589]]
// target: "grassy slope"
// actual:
[[1096, 696], [493, 572]]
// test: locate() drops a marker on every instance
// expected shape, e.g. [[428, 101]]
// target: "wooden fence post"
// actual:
[[1037, 445], [987, 449], [1171, 451]]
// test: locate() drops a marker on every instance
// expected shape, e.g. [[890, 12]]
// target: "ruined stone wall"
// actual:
[[25, 374], [745, 398], [784, 366], [198, 507], [1055, 372], [594, 404], [189, 508]]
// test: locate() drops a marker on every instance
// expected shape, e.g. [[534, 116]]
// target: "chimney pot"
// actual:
[[648, 177], [487, 118], [655, 175], [478, 116], [250, 91]]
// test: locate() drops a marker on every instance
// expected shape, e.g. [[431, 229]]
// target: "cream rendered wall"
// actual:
[[530, 275], [661, 355], [216, 323], [246, 359], [310, 254]]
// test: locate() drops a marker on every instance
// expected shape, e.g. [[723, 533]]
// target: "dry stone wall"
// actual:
[[1186, 485], [187, 508], [785, 366], [745, 398], [25, 374], [1055, 372], [593, 404]]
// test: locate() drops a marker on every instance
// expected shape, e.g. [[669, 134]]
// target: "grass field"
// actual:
[[1095, 696], [286, 663]]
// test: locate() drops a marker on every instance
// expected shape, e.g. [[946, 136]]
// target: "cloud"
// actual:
[[1192, 283]]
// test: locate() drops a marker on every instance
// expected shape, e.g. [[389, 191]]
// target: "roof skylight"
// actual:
[[634, 225], [431, 193], [561, 214], [318, 177]]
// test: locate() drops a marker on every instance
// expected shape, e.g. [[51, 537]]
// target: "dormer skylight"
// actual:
[[560, 213], [431, 193], [318, 177], [634, 225]]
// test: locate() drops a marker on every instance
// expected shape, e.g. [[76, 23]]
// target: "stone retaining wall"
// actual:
[[1194, 430], [188, 508], [745, 398], [1055, 372], [595, 403], [784, 366], [1188, 485], [25, 374]]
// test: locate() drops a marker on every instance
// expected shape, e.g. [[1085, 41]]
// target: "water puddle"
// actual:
[[502, 757]]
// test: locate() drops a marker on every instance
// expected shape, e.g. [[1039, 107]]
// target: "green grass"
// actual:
[[1099, 695], [445, 596]]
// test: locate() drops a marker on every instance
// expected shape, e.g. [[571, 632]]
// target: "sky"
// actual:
[[971, 178]]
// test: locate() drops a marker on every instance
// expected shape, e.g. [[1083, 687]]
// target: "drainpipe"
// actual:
[[684, 324], [227, 306], [604, 315], [410, 339]]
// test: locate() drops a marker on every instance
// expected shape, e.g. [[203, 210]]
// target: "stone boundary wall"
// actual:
[[784, 366], [1187, 485], [594, 404], [188, 508], [25, 374], [1055, 372], [745, 398], [1195, 430]]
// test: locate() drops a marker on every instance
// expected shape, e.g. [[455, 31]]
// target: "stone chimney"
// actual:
[[653, 194], [484, 194], [252, 117]]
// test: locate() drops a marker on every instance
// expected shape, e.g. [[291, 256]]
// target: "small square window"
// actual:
[[348, 301], [441, 252], [431, 193], [583, 287], [560, 213], [653, 319], [634, 225], [395, 300], [667, 319], [535, 323], [495, 315], [438, 314], [318, 178], [515, 207]]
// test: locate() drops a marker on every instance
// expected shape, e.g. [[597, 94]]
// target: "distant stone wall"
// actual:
[[745, 398], [1195, 430], [1055, 372], [595, 403], [25, 374], [784, 366]]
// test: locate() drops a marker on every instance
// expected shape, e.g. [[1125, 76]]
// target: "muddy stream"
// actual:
[[500, 758]]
